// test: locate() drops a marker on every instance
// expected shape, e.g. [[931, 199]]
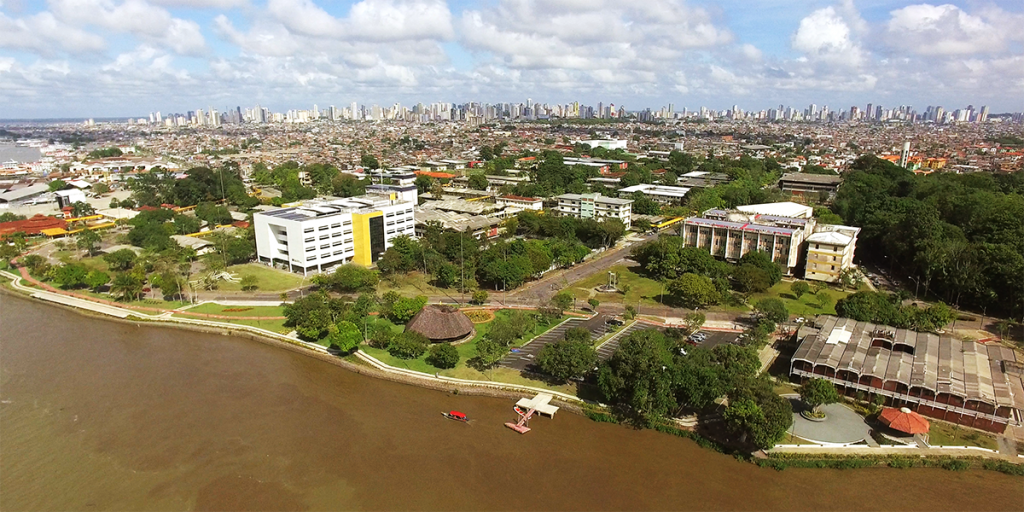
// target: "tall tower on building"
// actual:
[[905, 155]]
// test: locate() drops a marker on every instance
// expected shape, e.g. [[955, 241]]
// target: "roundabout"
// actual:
[[839, 426]]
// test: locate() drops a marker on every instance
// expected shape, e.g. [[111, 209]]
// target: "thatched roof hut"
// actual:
[[441, 323]]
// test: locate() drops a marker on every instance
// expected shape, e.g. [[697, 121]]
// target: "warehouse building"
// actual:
[[938, 375]]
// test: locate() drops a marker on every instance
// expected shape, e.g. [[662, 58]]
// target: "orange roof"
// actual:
[[435, 174], [520, 198], [904, 420], [32, 226], [527, 158]]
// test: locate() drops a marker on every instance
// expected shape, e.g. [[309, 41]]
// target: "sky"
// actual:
[[113, 58]]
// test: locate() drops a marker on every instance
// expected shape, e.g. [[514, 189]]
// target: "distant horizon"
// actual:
[[63, 59]]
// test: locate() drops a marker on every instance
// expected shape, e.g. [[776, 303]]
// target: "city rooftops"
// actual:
[[323, 208], [660, 190], [817, 179], [783, 209], [597, 198], [740, 226]]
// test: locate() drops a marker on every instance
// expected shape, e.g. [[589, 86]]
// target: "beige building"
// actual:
[[595, 206], [829, 252]]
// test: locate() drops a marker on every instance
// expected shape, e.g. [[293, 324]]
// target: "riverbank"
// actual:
[[361, 363]]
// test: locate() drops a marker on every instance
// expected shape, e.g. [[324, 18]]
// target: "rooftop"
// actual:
[[783, 209], [819, 179]]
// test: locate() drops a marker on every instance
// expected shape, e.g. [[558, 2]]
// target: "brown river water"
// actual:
[[100, 415]]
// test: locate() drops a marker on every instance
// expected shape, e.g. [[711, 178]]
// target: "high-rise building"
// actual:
[[983, 116], [905, 154]]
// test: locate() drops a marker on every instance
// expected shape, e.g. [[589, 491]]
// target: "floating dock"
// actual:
[[536, 405]]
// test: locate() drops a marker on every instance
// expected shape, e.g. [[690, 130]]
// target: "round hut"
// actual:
[[441, 324]]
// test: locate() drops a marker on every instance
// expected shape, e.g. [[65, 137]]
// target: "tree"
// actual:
[[70, 275], [773, 309], [818, 392], [479, 297], [408, 345], [169, 283], [121, 259], [824, 298], [751, 279], [642, 225], [405, 308], [490, 351], [563, 300], [82, 209], [344, 336], [56, 185], [478, 182], [127, 286], [249, 282], [568, 358], [369, 162], [693, 291], [759, 415], [639, 376], [693, 321], [95, 279], [348, 278], [100, 188], [444, 356], [763, 261], [88, 240], [594, 303], [799, 288]]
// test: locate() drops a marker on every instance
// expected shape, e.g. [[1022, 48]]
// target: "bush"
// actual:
[[479, 297], [443, 356], [408, 345], [956, 465]]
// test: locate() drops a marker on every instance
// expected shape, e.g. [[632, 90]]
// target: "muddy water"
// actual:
[[97, 415]]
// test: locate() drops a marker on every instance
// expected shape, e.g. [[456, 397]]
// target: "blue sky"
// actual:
[[73, 58]]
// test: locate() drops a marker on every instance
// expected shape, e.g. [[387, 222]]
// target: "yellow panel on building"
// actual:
[[361, 237]]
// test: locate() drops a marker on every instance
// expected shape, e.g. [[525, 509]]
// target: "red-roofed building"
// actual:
[[33, 226]]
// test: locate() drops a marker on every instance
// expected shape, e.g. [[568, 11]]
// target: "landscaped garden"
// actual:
[[941, 433], [468, 351], [268, 279]]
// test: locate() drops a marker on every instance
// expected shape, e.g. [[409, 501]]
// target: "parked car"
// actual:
[[614, 321]]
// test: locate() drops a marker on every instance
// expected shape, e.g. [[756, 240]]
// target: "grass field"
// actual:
[[468, 351], [806, 305], [417, 283], [268, 279], [641, 289], [212, 308], [270, 325], [947, 434], [791, 439]]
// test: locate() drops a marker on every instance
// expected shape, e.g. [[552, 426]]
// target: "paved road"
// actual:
[[543, 289]]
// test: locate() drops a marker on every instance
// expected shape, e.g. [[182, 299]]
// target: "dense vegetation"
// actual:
[[324, 179], [201, 184], [651, 375], [961, 236]]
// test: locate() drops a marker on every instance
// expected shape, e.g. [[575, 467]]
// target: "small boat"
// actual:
[[455, 415]]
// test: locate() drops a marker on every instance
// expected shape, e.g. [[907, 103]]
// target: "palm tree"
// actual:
[[126, 286]]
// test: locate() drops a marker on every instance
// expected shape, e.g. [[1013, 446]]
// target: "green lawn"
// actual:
[[807, 305], [641, 289], [948, 434], [211, 308], [268, 279], [468, 351], [791, 439], [270, 325], [417, 283]]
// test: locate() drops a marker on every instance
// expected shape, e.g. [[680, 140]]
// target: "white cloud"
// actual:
[[825, 36], [150, 23], [43, 34], [368, 20], [944, 30], [204, 4]]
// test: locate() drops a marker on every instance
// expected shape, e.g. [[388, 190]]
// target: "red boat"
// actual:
[[455, 415]]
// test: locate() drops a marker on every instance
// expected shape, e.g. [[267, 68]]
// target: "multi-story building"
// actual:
[[660, 193], [318, 235], [830, 252], [526, 203], [783, 230], [595, 206], [800, 183]]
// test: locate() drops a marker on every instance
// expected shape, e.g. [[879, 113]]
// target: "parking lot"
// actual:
[[609, 347], [523, 357], [715, 338]]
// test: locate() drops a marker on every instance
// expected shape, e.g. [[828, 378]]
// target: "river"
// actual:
[[20, 154], [99, 415]]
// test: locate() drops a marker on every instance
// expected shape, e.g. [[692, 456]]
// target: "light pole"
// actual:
[[917, 286]]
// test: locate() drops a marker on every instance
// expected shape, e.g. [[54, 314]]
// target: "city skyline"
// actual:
[[112, 58]]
